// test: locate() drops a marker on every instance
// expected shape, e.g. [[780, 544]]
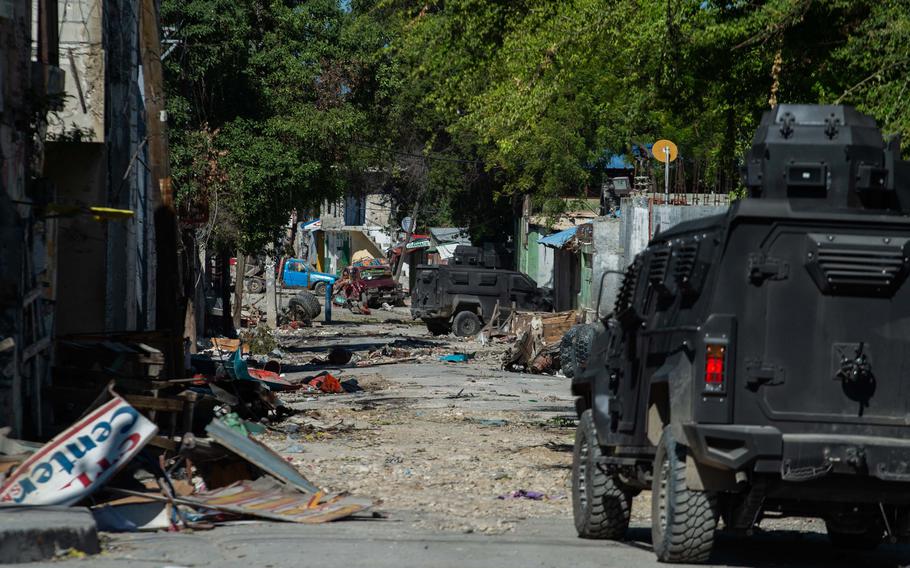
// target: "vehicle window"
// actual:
[[488, 279], [521, 283], [295, 267], [460, 278]]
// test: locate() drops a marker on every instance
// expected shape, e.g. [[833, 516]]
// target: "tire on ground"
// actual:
[[466, 324], [306, 305], [683, 521], [567, 352], [601, 505], [438, 326]]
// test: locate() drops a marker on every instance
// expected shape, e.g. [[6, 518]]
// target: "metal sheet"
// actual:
[[259, 455]]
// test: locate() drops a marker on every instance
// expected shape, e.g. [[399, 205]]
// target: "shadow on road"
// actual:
[[783, 549]]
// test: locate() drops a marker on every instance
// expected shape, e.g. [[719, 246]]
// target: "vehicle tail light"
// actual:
[[715, 359]]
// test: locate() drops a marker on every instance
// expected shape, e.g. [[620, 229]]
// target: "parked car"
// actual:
[[462, 296], [372, 285]]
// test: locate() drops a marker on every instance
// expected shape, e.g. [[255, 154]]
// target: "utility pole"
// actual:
[[271, 300], [170, 302]]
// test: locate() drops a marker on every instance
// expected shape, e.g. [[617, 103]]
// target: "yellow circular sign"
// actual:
[[664, 151]]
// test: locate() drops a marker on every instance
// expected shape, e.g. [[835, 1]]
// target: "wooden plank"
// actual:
[[35, 348], [143, 402]]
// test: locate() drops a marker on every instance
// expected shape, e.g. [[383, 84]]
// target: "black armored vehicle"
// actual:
[[757, 363], [462, 296]]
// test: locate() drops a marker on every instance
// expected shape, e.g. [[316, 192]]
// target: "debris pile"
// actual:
[[537, 338], [114, 461]]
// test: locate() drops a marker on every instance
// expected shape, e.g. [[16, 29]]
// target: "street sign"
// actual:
[[664, 151], [419, 243], [406, 224]]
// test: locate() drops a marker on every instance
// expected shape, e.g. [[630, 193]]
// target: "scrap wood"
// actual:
[[266, 498], [379, 363]]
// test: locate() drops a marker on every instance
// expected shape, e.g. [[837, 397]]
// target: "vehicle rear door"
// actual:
[[832, 343]]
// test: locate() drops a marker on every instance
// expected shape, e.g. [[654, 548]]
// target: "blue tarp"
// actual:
[[558, 240]]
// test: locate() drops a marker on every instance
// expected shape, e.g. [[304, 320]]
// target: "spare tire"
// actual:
[[582, 343], [567, 352], [306, 305]]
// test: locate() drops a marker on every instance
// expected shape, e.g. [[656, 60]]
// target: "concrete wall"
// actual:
[[82, 58], [617, 241], [608, 257]]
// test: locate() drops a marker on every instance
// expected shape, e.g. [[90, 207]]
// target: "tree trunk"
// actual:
[[240, 273], [271, 300]]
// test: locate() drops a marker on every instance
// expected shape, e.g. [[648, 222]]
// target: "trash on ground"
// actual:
[[131, 514], [456, 357], [268, 499], [529, 495], [536, 347]]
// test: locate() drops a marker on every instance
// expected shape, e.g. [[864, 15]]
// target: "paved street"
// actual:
[[436, 443]]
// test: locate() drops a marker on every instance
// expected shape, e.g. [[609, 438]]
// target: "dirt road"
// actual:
[[437, 444]]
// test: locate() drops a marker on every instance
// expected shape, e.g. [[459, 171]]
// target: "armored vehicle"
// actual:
[[463, 295], [756, 363]]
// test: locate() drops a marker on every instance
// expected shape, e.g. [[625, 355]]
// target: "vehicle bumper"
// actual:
[[799, 457], [428, 314], [388, 297]]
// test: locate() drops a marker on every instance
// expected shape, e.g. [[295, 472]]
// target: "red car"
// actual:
[[372, 285]]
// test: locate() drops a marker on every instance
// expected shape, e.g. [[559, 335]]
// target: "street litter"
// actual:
[[491, 421], [85, 456], [456, 357], [538, 335], [529, 495], [268, 499]]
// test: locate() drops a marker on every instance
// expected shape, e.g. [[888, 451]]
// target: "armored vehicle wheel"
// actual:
[[319, 288], [682, 520], [866, 536], [581, 345], [600, 504], [466, 324], [438, 327], [567, 352], [305, 306], [255, 285]]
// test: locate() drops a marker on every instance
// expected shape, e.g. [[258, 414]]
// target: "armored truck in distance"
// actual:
[[756, 363], [462, 296]]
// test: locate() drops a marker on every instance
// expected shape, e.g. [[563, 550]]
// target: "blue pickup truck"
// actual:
[[295, 273]]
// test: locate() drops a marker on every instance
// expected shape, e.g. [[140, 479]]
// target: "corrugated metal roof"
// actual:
[[558, 240], [450, 235]]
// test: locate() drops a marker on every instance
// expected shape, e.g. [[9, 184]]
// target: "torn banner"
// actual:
[[81, 458]]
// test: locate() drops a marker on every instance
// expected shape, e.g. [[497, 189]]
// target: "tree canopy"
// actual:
[[466, 105]]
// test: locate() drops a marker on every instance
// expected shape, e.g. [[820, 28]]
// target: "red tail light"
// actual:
[[714, 368]]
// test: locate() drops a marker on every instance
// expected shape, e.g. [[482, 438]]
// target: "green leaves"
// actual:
[[468, 104], [262, 95]]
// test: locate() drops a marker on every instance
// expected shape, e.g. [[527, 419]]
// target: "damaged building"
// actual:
[[83, 185]]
